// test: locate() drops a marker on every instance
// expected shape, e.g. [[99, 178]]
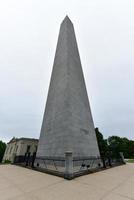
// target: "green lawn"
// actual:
[[131, 161]]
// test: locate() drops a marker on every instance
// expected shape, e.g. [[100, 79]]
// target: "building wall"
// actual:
[[9, 151], [23, 147], [19, 148]]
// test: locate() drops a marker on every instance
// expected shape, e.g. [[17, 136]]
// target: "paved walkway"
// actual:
[[17, 183]]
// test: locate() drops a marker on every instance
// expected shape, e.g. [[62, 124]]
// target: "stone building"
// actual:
[[19, 147]]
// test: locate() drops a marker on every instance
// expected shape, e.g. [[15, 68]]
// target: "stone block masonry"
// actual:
[[67, 123]]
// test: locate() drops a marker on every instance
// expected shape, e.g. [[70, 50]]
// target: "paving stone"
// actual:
[[112, 184]]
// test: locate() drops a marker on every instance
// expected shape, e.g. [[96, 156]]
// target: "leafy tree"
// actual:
[[130, 149], [102, 143], [118, 144], [113, 145], [2, 149]]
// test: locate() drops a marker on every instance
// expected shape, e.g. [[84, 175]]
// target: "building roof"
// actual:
[[22, 138]]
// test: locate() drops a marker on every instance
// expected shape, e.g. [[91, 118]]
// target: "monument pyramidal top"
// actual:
[[67, 19], [67, 123]]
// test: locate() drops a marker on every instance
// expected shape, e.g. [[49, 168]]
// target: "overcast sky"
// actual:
[[28, 36]]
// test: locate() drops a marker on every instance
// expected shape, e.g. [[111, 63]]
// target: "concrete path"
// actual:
[[17, 183]]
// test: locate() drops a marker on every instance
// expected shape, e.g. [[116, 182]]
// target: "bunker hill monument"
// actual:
[[67, 123]]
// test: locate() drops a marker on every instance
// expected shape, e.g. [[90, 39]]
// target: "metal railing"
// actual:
[[68, 167], [86, 164], [56, 164]]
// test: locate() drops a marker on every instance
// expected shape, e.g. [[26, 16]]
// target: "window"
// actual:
[[35, 148], [28, 148]]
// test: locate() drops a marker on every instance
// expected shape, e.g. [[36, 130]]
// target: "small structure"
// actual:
[[18, 148]]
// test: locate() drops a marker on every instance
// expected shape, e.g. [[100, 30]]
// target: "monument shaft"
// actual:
[[67, 123]]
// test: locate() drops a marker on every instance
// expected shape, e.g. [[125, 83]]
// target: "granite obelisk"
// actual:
[[67, 123]]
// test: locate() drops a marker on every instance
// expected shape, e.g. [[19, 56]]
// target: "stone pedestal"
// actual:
[[68, 165]]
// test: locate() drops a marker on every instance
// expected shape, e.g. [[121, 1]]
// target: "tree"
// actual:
[[2, 150], [102, 143], [118, 144], [113, 145], [130, 149]]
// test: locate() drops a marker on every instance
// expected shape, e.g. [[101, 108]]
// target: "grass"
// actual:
[[5, 162], [131, 161]]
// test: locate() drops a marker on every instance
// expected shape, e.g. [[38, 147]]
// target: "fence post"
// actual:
[[68, 174], [103, 161], [122, 157]]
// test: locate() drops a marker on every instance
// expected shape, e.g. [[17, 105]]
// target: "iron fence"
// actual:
[[68, 167], [56, 164]]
